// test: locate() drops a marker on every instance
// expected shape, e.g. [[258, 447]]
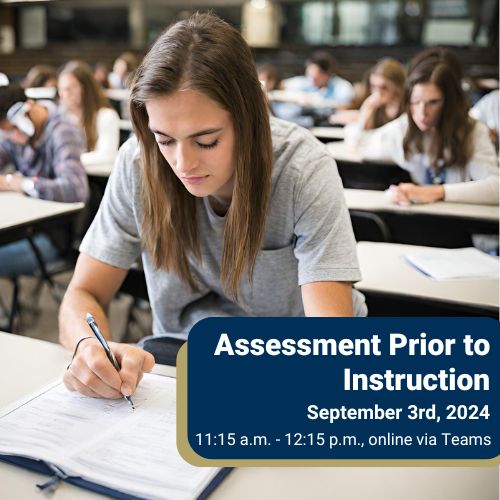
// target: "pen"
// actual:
[[95, 329]]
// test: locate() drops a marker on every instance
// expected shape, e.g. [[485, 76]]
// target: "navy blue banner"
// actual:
[[344, 388]]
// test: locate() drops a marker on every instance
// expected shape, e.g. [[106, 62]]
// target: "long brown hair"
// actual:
[[451, 140], [393, 71], [205, 54], [93, 98]]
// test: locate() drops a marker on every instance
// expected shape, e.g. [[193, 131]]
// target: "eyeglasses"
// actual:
[[430, 104]]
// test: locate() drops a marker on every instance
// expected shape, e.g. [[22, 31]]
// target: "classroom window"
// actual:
[[389, 22]]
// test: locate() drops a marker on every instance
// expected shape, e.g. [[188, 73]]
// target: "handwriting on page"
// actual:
[[103, 440]]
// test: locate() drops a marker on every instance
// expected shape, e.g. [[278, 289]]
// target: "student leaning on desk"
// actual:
[[45, 150], [448, 154], [235, 214]]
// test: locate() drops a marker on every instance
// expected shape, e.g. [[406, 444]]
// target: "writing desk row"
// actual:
[[28, 364]]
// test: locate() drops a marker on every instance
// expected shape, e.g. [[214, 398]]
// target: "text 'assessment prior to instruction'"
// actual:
[[343, 388]]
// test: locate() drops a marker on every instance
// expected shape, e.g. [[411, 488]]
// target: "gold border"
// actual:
[[190, 456]]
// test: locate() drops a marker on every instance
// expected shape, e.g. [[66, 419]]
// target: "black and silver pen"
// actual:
[[95, 329]]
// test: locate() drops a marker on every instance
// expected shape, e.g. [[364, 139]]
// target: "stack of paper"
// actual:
[[459, 263]]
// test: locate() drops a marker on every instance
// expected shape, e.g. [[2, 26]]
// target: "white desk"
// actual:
[[126, 125], [358, 173], [376, 201], [117, 94], [342, 151], [26, 364], [18, 210], [102, 170], [301, 98], [385, 270], [331, 133]]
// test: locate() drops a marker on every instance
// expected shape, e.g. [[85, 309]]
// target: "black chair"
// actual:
[[368, 226], [46, 274]]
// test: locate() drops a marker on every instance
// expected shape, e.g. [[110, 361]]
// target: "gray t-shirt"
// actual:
[[308, 237]]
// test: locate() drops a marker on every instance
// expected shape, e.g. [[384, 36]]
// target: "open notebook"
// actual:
[[103, 445]]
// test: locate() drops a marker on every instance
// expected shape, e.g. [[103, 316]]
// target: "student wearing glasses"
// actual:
[[448, 154], [234, 213]]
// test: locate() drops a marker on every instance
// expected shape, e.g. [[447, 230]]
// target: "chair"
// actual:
[[368, 226], [45, 273]]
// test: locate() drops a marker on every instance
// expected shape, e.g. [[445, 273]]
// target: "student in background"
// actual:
[[385, 103], [123, 70], [322, 81], [349, 113], [269, 76], [101, 74], [83, 100], [203, 193], [120, 78], [448, 154], [41, 75], [487, 111], [44, 148]]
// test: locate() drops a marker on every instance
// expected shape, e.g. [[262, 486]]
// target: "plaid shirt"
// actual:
[[53, 162]]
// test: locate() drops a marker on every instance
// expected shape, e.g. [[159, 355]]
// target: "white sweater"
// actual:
[[477, 182], [108, 139]]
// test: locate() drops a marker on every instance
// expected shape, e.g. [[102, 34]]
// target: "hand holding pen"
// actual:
[[92, 371], [109, 353]]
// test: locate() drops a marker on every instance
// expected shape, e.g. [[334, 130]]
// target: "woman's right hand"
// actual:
[[92, 374]]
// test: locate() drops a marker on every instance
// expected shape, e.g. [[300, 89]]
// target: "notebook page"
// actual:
[[104, 441]]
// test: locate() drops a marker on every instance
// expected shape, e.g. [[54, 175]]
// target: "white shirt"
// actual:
[[486, 110], [108, 139], [476, 182]]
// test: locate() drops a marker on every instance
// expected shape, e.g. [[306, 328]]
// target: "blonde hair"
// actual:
[[205, 54]]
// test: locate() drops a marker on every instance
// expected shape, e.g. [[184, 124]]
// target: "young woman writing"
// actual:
[[234, 214]]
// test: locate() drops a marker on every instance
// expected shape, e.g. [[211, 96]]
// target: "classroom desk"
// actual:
[[126, 125], [378, 201], [26, 364], [21, 216], [444, 224], [117, 94], [101, 170], [357, 173], [395, 288], [301, 98], [327, 134]]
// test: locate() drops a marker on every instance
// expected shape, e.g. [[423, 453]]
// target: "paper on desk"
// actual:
[[457, 263], [104, 441]]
